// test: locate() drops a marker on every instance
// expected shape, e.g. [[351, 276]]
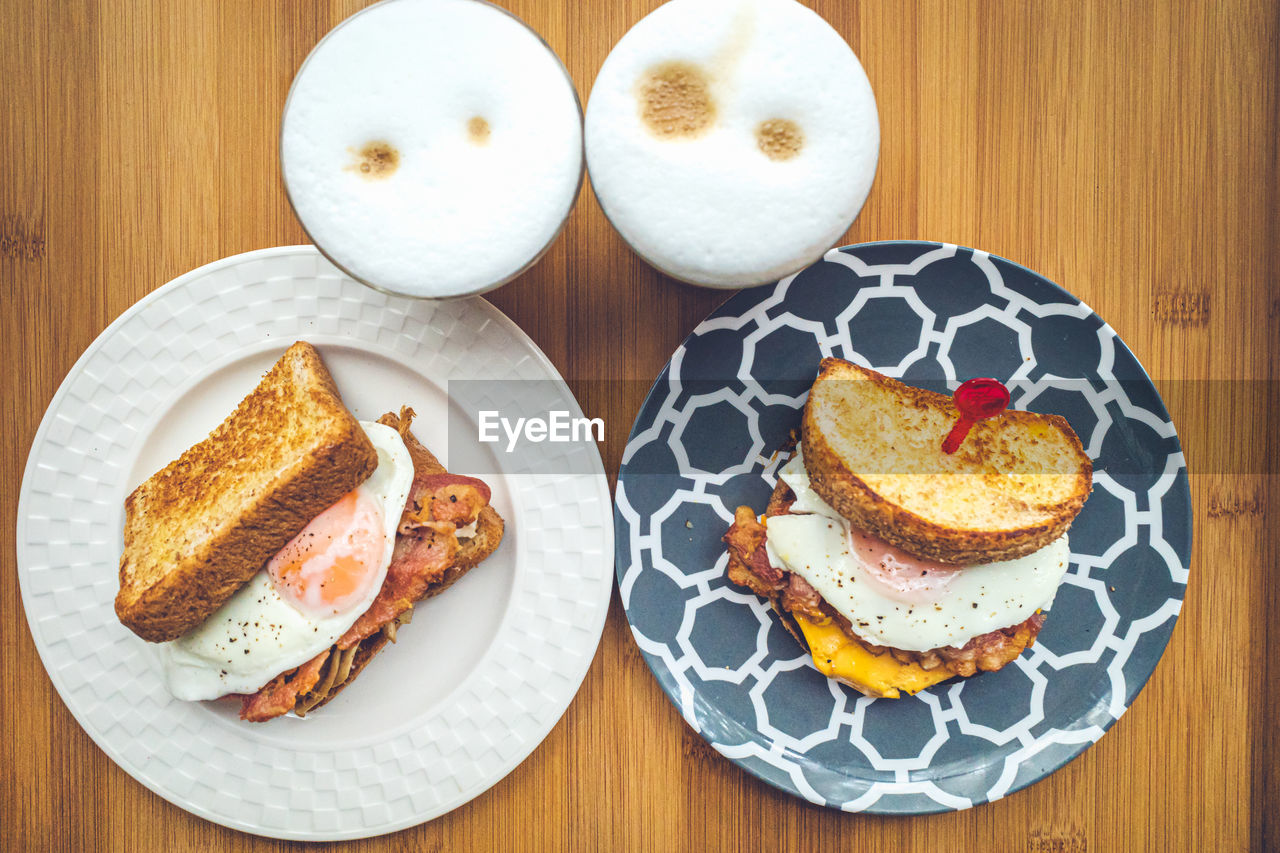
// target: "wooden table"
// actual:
[[1126, 151]]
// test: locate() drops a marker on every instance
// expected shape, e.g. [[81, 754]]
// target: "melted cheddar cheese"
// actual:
[[839, 656]]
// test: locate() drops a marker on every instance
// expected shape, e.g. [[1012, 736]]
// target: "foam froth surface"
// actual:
[[781, 166], [486, 134]]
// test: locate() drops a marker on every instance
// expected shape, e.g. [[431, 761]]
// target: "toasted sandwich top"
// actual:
[[197, 530], [873, 451]]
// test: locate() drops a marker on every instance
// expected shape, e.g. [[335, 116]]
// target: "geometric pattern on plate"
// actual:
[[932, 315]]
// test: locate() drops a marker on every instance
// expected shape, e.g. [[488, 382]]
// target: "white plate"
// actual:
[[473, 685]]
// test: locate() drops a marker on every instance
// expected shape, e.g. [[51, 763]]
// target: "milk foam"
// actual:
[[461, 211], [716, 208]]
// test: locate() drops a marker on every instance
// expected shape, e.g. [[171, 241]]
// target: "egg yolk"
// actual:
[[899, 575], [330, 566]]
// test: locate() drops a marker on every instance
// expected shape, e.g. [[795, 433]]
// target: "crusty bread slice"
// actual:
[[873, 450], [196, 531]]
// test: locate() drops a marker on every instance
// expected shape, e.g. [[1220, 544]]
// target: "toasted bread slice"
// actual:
[[873, 450], [196, 531]]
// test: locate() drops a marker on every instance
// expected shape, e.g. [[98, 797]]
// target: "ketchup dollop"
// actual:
[[977, 399]]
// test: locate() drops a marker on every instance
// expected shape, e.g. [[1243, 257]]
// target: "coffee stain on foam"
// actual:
[[741, 33], [680, 99], [376, 161], [478, 130], [779, 138], [675, 101]]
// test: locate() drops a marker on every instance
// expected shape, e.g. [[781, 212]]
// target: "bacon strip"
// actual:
[[800, 597], [988, 652], [749, 564], [416, 563], [281, 692], [444, 497]]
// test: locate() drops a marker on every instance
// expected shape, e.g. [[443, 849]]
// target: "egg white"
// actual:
[[256, 634], [981, 599]]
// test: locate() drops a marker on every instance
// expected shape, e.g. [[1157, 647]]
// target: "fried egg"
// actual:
[[307, 596], [892, 598]]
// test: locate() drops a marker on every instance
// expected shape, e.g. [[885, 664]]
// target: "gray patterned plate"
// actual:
[[932, 315], [471, 686]]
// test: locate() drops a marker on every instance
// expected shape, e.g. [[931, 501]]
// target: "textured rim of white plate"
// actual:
[[453, 751]]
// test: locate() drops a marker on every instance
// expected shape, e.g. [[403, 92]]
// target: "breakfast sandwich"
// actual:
[[276, 557], [896, 563]]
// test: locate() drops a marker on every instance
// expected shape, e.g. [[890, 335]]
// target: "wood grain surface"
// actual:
[[1128, 151]]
